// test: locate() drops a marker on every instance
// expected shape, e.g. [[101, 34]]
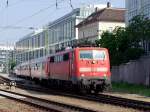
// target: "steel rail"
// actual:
[[108, 99], [4, 80], [47, 104], [125, 102]]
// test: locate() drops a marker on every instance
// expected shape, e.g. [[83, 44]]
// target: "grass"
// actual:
[[131, 88]]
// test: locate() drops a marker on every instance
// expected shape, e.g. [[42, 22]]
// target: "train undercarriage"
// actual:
[[82, 86], [94, 85]]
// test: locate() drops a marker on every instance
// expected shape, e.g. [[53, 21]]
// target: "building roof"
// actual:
[[106, 14]]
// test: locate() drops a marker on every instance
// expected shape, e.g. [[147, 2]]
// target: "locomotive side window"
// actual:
[[66, 57]]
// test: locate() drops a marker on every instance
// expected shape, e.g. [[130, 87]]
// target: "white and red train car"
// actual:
[[83, 67]]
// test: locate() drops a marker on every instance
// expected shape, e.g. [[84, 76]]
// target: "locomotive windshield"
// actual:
[[92, 54]]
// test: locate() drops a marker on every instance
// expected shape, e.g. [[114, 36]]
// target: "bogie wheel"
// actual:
[[96, 92], [82, 89]]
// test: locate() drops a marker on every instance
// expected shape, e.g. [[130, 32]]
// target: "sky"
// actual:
[[16, 16]]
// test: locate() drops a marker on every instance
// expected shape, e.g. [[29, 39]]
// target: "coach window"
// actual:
[[58, 58], [52, 59], [55, 59], [37, 66], [66, 57], [42, 65], [32, 67], [28, 68], [61, 58], [72, 55]]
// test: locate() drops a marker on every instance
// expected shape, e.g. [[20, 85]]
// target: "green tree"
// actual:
[[123, 43], [12, 64], [138, 30]]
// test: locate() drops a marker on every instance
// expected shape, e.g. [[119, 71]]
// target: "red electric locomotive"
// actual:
[[87, 68]]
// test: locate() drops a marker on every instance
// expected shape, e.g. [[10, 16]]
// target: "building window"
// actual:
[[110, 29]]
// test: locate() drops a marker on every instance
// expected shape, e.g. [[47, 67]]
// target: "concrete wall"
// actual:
[[134, 72]]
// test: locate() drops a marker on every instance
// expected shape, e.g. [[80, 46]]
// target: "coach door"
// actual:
[[51, 62], [70, 64], [30, 70], [47, 67]]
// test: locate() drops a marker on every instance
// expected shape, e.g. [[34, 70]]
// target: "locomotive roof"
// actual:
[[69, 50]]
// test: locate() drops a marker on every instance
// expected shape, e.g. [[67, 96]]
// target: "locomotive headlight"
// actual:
[[105, 76], [93, 62], [82, 75]]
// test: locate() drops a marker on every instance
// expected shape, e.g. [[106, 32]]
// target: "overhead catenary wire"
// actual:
[[7, 3], [56, 4], [41, 10], [70, 2], [16, 27], [12, 26], [36, 13]]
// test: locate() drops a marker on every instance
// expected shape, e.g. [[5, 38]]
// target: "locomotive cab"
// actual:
[[93, 68]]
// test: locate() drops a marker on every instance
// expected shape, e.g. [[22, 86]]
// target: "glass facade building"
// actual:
[[5, 56], [136, 7], [57, 34]]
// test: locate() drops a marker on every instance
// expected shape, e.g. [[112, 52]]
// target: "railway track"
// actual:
[[43, 103], [108, 99], [4, 80], [136, 104]]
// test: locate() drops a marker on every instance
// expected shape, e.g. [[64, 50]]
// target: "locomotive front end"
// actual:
[[94, 69]]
